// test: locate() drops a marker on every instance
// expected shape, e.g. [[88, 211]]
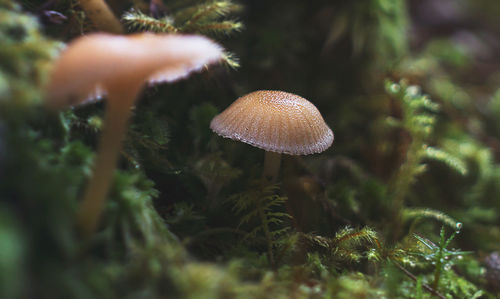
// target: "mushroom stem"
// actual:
[[101, 15], [272, 163], [117, 115]]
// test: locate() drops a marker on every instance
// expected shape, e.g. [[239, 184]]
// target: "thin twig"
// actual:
[[425, 286]]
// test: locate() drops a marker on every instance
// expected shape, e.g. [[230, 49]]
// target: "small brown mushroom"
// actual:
[[118, 66], [277, 122]]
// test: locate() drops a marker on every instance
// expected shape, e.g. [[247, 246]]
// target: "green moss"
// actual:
[[188, 215]]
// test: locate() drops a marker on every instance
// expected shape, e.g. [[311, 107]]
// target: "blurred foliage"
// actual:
[[404, 205]]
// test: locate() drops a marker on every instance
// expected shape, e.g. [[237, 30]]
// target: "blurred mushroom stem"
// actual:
[[101, 15], [120, 101], [272, 163]]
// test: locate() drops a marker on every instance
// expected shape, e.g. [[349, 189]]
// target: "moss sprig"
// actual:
[[346, 242], [418, 120], [416, 214], [208, 17], [439, 255], [139, 21], [262, 203], [350, 245]]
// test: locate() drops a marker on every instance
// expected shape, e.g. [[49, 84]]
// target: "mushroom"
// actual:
[[101, 15], [277, 122], [119, 66]]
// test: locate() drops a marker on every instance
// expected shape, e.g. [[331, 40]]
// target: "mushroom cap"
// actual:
[[275, 121], [94, 63]]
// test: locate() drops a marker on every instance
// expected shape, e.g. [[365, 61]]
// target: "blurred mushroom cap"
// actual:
[[94, 63], [275, 121]]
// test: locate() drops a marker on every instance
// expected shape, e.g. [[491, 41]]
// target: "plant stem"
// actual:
[[439, 264], [265, 225], [272, 163], [117, 115], [425, 286], [405, 176], [101, 15], [402, 182]]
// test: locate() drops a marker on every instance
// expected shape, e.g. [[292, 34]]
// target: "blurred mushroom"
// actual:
[[277, 122], [101, 15], [118, 66]]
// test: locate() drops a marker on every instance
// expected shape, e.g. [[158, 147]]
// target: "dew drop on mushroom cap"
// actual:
[[275, 121]]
